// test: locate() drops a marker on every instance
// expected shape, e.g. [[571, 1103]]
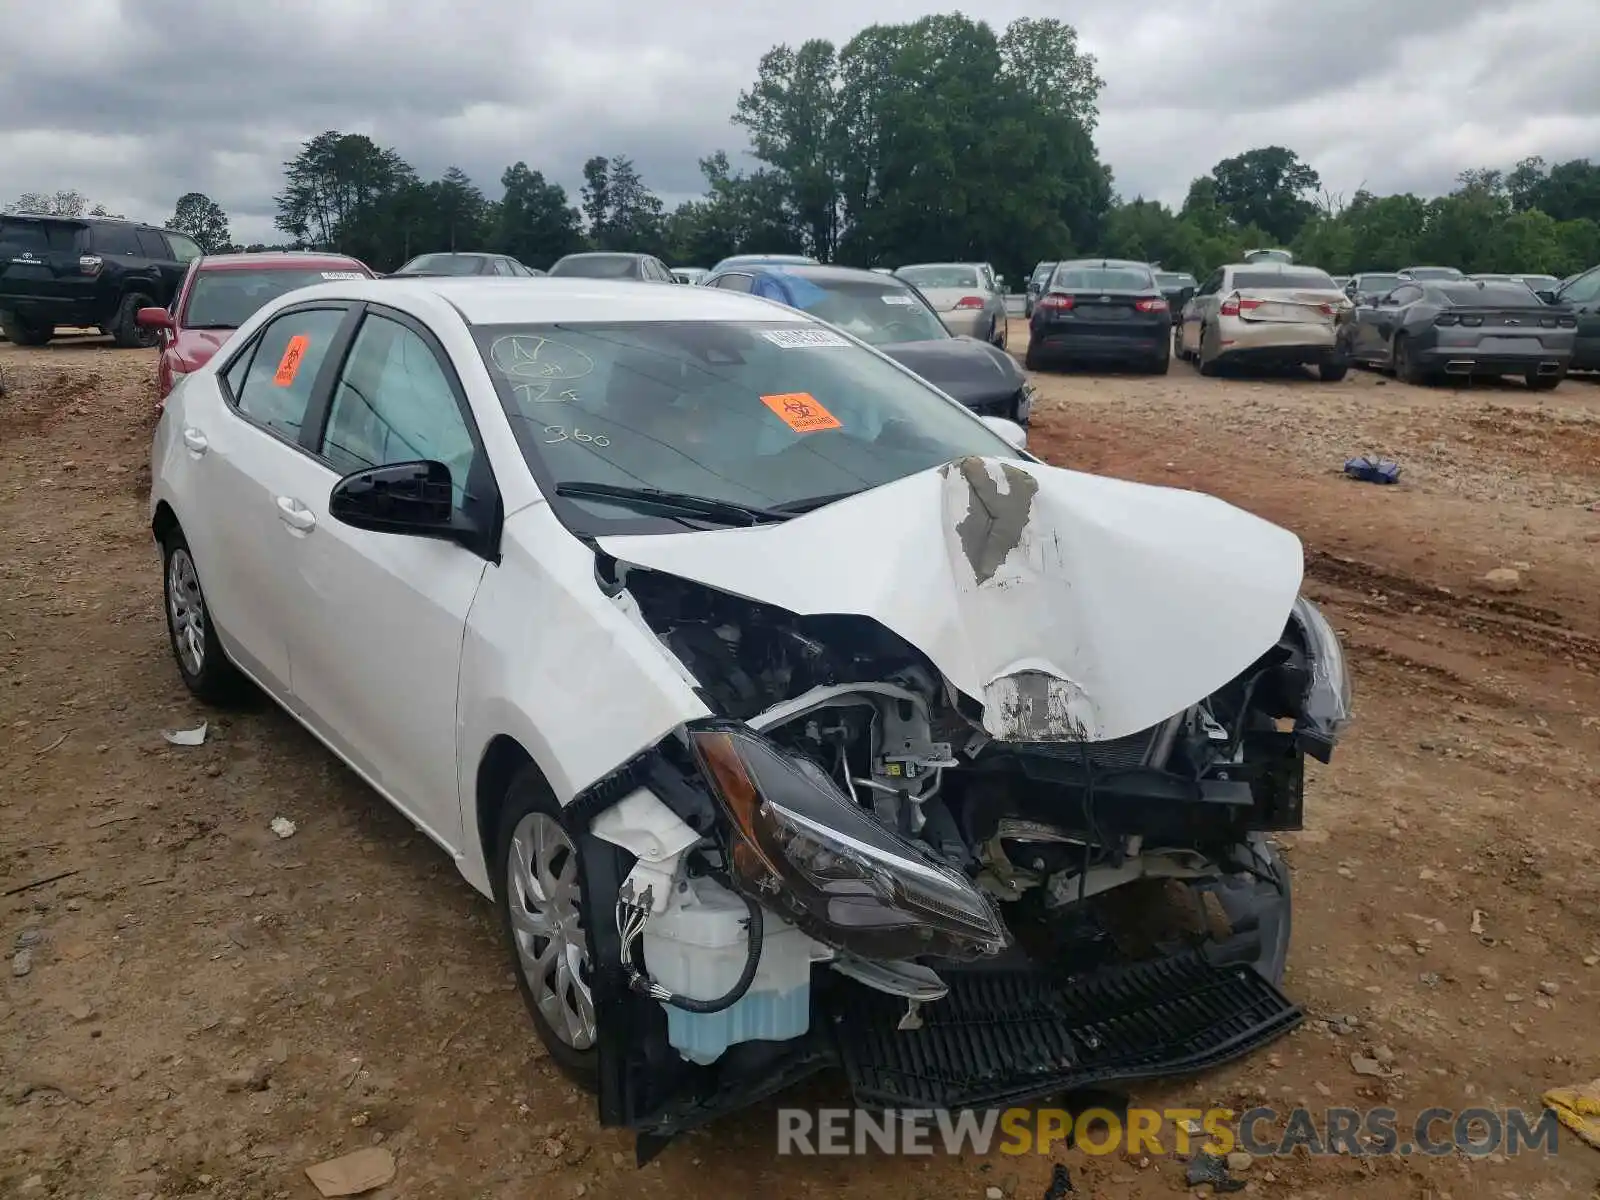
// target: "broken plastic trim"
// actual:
[[1326, 709]]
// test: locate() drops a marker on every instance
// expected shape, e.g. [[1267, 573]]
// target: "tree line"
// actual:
[[934, 139]]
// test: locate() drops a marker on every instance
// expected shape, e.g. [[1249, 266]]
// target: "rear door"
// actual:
[[1388, 315], [39, 259]]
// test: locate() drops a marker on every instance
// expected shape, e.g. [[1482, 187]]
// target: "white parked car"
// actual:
[[789, 713]]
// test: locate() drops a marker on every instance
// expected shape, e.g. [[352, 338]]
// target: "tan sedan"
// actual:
[[1266, 313]]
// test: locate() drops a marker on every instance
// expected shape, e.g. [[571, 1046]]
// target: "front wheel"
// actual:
[[201, 660], [538, 887], [20, 332], [1542, 383]]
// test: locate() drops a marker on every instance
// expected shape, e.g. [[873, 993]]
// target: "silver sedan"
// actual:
[[967, 297]]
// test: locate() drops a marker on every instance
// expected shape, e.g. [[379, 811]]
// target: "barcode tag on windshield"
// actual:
[[343, 275], [803, 339], [899, 298]]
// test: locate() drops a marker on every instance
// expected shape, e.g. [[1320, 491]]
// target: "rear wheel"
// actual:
[[1406, 369], [1334, 371], [191, 632], [1162, 363], [126, 331], [1542, 383], [1032, 359], [538, 886], [22, 332]]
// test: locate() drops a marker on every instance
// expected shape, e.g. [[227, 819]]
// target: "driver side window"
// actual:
[[393, 403]]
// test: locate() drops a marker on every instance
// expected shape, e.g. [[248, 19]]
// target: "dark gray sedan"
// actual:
[[1424, 329]]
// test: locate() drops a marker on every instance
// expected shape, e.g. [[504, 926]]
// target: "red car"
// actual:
[[221, 292]]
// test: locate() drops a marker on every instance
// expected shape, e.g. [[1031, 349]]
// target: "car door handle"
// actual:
[[195, 440], [295, 515]]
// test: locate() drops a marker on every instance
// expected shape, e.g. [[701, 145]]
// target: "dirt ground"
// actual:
[[201, 1008]]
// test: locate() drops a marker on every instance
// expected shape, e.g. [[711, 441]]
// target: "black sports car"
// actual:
[[886, 312]]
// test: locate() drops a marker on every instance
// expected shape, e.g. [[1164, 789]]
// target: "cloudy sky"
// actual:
[[134, 102]]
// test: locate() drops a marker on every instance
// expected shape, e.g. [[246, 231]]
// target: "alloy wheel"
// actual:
[[547, 924], [187, 609]]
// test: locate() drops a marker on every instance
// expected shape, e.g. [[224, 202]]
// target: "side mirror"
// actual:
[[411, 497], [1015, 435], [1545, 294], [153, 318]]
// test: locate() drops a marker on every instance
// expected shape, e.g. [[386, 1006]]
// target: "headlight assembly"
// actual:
[[1325, 710], [801, 844]]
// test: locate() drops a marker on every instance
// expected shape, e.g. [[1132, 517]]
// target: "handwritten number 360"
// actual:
[[577, 435]]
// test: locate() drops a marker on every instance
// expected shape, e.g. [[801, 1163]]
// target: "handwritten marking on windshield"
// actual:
[[529, 356], [801, 412], [577, 435], [539, 393]]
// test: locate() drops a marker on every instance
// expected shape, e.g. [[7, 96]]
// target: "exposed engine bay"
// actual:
[[867, 812]]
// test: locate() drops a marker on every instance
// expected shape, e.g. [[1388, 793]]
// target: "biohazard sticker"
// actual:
[[803, 339], [801, 412], [293, 355]]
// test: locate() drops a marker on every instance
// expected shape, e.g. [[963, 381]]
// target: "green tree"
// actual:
[[790, 112], [1267, 187], [202, 218], [623, 213], [534, 222], [335, 183]]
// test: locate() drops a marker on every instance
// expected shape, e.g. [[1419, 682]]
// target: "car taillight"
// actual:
[[90, 264], [1151, 305], [1233, 305], [970, 302], [1447, 319], [1567, 322], [1061, 302], [1472, 320]]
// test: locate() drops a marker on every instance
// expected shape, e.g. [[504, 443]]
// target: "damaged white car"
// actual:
[[792, 716]]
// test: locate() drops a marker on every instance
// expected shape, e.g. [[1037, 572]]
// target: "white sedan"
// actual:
[[755, 681]]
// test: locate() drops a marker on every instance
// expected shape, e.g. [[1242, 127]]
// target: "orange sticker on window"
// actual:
[[289, 365], [801, 412]]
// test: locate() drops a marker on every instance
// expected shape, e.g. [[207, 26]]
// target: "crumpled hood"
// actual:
[[1072, 607], [963, 368]]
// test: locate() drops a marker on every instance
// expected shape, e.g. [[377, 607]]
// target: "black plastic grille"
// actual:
[[1004, 1036]]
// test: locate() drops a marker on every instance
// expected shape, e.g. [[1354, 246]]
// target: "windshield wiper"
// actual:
[[812, 503], [708, 507]]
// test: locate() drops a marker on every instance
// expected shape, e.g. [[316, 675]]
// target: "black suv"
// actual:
[[91, 271]]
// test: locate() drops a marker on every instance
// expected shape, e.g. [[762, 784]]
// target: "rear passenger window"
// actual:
[[151, 245], [737, 283], [276, 386], [183, 249], [116, 239]]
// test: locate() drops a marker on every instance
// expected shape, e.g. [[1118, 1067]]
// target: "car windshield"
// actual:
[[1042, 272], [1377, 283], [940, 276], [1296, 277], [771, 414], [1540, 281], [878, 314], [598, 266], [1433, 273], [1170, 279], [1102, 279], [443, 264], [227, 299], [1491, 293]]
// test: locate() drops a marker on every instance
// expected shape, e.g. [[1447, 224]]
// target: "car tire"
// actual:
[[1405, 370], [1161, 365], [1031, 358], [192, 634], [533, 854], [1002, 327], [1333, 372], [25, 333], [1542, 383], [1208, 366], [126, 332]]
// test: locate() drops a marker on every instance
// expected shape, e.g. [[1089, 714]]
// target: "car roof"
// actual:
[[285, 259], [517, 301], [822, 274], [951, 263], [1104, 262], [604, 254], [28, 216]]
